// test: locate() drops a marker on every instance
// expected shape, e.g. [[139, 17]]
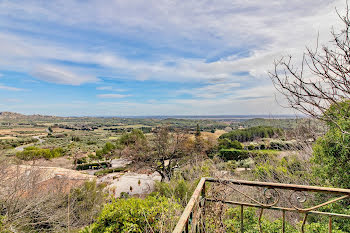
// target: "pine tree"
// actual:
[[198, 131]]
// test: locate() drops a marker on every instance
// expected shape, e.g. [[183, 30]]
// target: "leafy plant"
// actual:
[[136, 215]]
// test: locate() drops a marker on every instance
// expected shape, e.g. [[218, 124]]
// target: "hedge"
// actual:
[[110, 170], [87, 166], [233, 154]]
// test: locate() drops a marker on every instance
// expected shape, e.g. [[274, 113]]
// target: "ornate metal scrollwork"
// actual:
[[301, 197], [271, 195]]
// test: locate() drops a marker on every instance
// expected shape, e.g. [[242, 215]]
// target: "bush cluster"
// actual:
[[226, 143], [250, 134], [33, 153], [107, 148], [152, 214], [233, 154]]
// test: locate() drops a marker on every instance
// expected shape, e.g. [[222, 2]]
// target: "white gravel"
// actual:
[[140, 183]]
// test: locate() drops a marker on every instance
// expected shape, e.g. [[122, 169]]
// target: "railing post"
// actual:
[[330, 224], [304, 221], [184, 221], [202, 206], [283, 221], [242, 224]]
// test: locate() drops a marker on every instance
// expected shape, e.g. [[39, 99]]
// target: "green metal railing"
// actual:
[[193, 217]]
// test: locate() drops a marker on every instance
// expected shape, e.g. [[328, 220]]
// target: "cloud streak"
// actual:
[[9, 88], [59, 75], [112, 96]]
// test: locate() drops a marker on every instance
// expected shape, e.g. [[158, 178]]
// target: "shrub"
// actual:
[[33, 153], [231, 166], [233, 154], [151, 214], [3, 228], [106, 149], [177, 189], [264, 153], [225, 143]]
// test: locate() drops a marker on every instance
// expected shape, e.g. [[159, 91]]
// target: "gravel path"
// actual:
[[21, 148]]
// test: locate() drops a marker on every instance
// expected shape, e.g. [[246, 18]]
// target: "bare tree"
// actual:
[[322, 80], [169, 150]]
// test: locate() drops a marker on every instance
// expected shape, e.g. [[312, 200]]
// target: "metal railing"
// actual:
[[276, 196]]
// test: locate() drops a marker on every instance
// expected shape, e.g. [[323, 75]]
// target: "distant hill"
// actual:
[[12, 115], [15, 115]]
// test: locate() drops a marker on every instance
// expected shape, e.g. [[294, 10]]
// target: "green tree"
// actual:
[[198, 131], [332, 151]]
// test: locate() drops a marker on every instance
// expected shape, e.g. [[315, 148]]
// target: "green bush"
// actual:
[[263, 153], [131, 138], [3, 228], [332, 151], [233, 154], [177, 189], [106, 149], [226, 143], [231, 166], [152, 214], [289, 169], [33, 153]]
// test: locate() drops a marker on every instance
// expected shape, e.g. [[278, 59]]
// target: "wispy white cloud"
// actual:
[[211, 91], [109, 88], [12, 100], [9, 88], [59, 75], [112, 96]]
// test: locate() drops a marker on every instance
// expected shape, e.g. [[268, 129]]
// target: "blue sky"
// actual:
[[151, 57]]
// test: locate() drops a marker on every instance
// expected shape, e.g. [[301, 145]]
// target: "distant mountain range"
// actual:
[[222, 117], [14, 115]]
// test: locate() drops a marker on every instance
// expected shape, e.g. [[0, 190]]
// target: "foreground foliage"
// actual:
[[332, 151], [233, 221], [152, 214]]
